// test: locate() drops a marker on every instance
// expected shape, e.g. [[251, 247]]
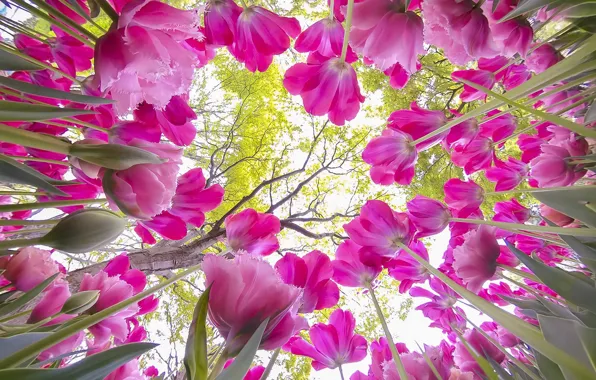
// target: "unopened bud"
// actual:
[[113, 156], [80, 302], [84, 230]]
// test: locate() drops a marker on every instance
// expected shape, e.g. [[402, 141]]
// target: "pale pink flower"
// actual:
[[463, 194], [333, 344], [440, 308], [405, 269], [392, 156], [29, 268], [387, 33], [221, 17], [380, 231], [552, 167], [482, 346], [128, 371], [349, 270], [253, 232], [326, 36], [241, 299], [542, 58], [145, 190], [311, 273], [475, 261], [418, 122], [511, 36], [261, 34], [326, 88], [414, 364], [428, 215]]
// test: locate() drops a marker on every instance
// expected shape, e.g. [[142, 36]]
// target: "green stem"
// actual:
[[33, 140], [53, 204], [396, 359], [589, 232], [85, 124], [540, 190], [14, 316], [271, 363], [331, 13], [18, 243], [15, 193], [11, 23], [244, 5], [37, 159], [348, 26], [107, 8], [218, 366], [34, 349], [26, 231], [86, 17], [520, 273], [18, 222], [341, 372]]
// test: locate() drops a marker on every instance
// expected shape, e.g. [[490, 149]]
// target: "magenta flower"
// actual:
[[462, 195], [324, 36], [483, 347], [511, 36], [507, 175], [482, 78], [475, 261], [142, 59], [542, 58], [459, 28], [70, 54], [552, 167], [414, 364], [380, 231], [326, 88], [392, 156], [51, 303], [418, 123], [261, 34], [69, 12], [398, 76], [405, 269], [516, 75], [462, 133], [529, 146], [166, 225], [381, 354], [477, 155], [555, 216], [174, 120], [511, 211], [145, 190], [192, 199], [460, 228], [124, 132], [240, 300], [32, 47], [429, 216], [499, 128], [440, 307], [387, 33], [221, 17], [333, 344], [77, 191], [312, 273], [348, 270], [202, 49], [29, 268], [253, 232], [254, 373]]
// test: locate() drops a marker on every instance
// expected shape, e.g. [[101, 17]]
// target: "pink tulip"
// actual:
[[148, 305], [69, 12], [477, 155], [511, 211], [498, 128], [202, 49], [555, 216], [511, 36], [78, 191], [495, 65], [261, 34], [516, 75], [482, 78], [405, 269], [253, 232], [124, 132], [482, 346], [461, 134], [552, 167], [456, 374], [381, 354], [167, 226], [29, 268], [312, 273], [392, 156], [192, 199], [70, 54], [174, 120], [387, 33], [429, 216], [348, 270], [463, 195], [221, 17], [151, 372], [414, 364], [326, 88], [128, 371], [418, 123], [326, 37], [507, 175], [398, 76], [12, 149], [495, 291], [359, 376], [254, 373], [145, 190], [51, 303], [333, 344], [475, 261], [32, 47], [441, 309], [240, 300], [380, 231], [459, 28], [530, 146], [542, 58]]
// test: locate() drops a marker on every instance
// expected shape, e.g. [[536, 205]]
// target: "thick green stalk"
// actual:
[[331, 13], [34, 349], [53, 204], [396, 359], [37, 159], [341, 373], [218, 366], [107, 8], [18, 243], [271, 362], [14, 316], [541, 190], [19, 222], [33, 140], [26, 231], [588, 232], [348, 26]]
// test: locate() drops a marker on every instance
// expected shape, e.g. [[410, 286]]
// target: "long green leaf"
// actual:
[[572, 202], [566, 285], [487, 368], [50, 92], [581, 10], [238, 369], [585, 253], [12, 171], [195, 357], [11, 62], [587, 336], [93, 367], [32, 139], [528, 6], [17, 111], [548, 369], [9, 346], [23, 299]]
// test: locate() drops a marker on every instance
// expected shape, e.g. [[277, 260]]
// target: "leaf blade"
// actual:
[[195, 356], [50, 92]]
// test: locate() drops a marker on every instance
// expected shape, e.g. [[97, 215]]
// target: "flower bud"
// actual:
[[113, 156], [80, 302], [84, 230]]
